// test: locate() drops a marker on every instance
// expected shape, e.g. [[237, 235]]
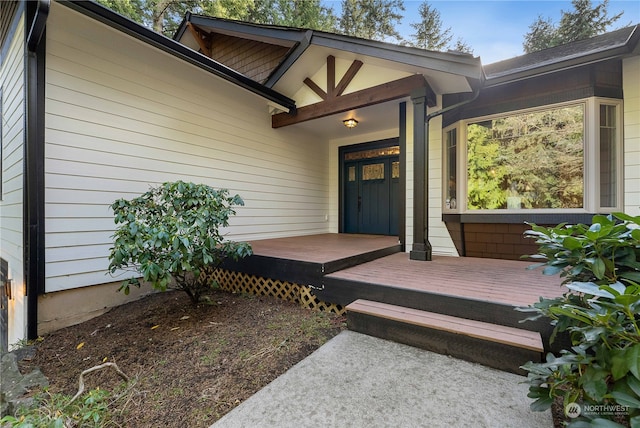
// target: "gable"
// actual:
[[254, 59]]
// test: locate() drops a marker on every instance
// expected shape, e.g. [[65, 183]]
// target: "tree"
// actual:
[[171, 237], [428, 32], [486, 170], [128, 8], [583, 22], [299, 14], [371, 19], [462, 46], [542, 34], [164, 16]]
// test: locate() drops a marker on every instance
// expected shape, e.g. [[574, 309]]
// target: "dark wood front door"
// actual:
[[371, 202]]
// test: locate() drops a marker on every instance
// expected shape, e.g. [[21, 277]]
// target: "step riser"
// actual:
[[488, 353]]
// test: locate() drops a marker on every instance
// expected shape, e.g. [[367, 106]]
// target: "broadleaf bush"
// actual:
[[600, 370], [171, 237]]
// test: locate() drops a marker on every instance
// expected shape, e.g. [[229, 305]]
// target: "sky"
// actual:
[[495, 29]]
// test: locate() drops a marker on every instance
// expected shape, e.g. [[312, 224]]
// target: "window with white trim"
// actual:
[[560, 157]]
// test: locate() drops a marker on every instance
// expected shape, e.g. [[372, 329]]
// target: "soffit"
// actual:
[[372, 120], [312, 62]]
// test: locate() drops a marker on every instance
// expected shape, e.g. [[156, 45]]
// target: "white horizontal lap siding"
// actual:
[[631, 90], [439, 237], [11, 203], [121, 116]]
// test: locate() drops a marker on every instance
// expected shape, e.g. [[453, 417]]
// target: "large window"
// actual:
[[563, 157]]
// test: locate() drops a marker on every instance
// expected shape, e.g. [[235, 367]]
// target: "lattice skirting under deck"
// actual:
[[238, 282]]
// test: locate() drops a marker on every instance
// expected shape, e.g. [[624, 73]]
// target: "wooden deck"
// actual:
[[305, 259], [324, 248], [342, 268], [492, 280]]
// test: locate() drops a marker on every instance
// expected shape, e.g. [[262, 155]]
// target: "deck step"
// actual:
[[497, 346]]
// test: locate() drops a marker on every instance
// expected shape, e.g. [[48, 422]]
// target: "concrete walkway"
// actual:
[[356, 380]]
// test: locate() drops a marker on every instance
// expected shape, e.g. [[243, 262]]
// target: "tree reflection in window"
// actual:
[[531, 160]]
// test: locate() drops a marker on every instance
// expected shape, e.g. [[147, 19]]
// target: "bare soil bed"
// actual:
[[190, 364]]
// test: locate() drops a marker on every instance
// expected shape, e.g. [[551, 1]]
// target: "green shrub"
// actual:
[[54, 410], [600, 312], [170, 236]]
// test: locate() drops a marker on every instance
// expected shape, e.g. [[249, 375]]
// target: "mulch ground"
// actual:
[[190, 364]]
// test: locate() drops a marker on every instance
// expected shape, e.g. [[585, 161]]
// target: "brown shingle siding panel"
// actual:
[[518, 228], [254, 59], [504, 241]]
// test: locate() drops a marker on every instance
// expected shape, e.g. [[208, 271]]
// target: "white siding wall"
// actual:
[[631, 89], [121, 115], [438, 234], [11, 205]]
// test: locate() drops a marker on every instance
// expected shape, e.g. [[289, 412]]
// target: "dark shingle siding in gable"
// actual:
[[254, 59]]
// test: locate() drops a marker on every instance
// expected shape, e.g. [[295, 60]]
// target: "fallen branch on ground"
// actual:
[[266, 351], [93, 369]]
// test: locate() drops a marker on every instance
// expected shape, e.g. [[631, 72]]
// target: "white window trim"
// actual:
[[591, 180]]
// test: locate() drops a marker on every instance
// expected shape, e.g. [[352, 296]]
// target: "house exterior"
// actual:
[[96, 107]]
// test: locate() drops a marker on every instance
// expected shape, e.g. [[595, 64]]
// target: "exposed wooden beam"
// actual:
[[315, 88], [331, 76], [378, 94], [348, 77], [203, 39]]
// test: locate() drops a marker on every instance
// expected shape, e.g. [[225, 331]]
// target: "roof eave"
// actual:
[[127, 26], [628, 48], [289, 60], [460, 64], [285, 34]]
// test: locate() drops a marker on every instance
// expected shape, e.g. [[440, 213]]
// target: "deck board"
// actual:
[[322, 248], [480, 330], [502, 281]]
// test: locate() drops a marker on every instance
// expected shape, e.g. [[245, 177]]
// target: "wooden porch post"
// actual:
[[421, 249]]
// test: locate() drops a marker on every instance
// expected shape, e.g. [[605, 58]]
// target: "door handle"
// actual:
[[359, 203]]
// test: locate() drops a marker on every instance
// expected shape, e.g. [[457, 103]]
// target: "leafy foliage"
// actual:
[[583, 22], [171, 236], [601, 313], [486, 173], [54, 410], [164, 16], [299, 14], [535, 158], [370, 19]]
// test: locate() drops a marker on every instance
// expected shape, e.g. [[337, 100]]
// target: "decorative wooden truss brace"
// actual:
[[202, 37], [333, 100], [334, 91]]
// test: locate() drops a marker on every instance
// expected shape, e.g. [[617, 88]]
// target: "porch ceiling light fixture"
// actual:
[[350, 123]]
